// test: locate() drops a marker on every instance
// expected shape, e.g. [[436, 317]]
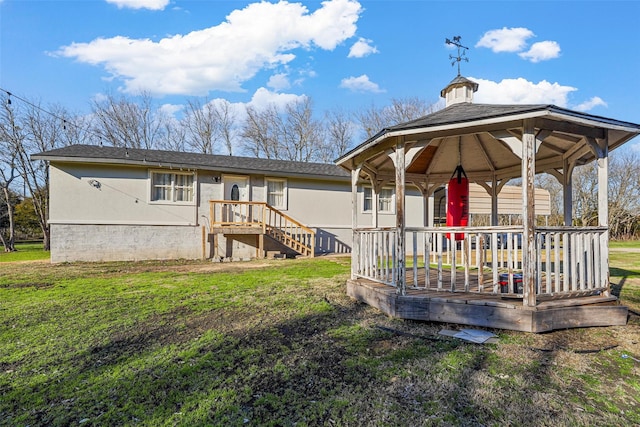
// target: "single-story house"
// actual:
[[112, 203]]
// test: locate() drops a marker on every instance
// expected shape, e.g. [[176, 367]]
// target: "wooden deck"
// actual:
[[487, 309]]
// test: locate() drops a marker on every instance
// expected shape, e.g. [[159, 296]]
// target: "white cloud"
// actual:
[[224, 56], [541, 51], [171, 109], [279, 81], [521, 91], [506, 39], [362, 48], [360, 84], [596, 101], [262, 98], [140, 4]]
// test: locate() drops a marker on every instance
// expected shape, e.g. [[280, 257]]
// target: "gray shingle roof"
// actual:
[[466, 112], [154, 158]]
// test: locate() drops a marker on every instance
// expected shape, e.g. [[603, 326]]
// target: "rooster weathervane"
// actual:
[[462, 51]]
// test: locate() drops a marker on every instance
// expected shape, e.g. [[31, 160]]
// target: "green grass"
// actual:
[[278, 343], [25, 252]]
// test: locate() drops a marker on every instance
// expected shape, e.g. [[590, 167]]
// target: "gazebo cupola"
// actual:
[[459, 90]]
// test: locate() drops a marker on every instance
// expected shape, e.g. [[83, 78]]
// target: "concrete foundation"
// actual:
[[84, 242]]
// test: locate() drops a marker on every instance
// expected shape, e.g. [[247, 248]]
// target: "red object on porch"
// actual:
[[458, 201]]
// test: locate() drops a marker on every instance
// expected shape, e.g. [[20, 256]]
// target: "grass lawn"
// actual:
[[278, 343], [25, 252]]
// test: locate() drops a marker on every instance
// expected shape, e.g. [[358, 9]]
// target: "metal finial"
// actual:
[[462, 51]]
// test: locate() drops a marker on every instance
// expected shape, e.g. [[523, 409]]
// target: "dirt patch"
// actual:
[[26, 285]]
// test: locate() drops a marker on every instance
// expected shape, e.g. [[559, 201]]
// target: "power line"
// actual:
[[64, 121]]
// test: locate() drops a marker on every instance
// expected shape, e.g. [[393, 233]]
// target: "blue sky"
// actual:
[[582, 55]]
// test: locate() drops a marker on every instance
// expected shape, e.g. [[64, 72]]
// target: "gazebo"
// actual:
[[525, 277]]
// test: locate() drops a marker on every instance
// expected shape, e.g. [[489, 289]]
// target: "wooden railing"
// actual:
[[274, 223], [570, 260]]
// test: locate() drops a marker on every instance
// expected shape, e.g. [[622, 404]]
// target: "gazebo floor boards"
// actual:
[[490, 310]]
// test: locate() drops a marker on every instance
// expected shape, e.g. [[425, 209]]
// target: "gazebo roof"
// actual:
[[485, 138]]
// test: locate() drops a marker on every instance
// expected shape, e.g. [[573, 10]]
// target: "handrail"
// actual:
[[569, 260], [274, 222], [288, 218]]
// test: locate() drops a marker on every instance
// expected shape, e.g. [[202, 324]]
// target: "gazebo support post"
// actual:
[[399, 163], [355, 251], [528, 214], [603, 208], [567, 192]]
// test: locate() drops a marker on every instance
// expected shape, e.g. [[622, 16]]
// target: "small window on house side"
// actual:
[[368, 200], [172, 187], [277, 193], [385, 200]]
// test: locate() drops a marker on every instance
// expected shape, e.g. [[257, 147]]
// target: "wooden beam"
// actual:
[[415, 150], [483, 150], [555, 173], [597, 151], [514, 144], [571, 128]]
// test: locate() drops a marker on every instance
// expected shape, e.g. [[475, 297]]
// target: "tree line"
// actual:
[[293, 131]]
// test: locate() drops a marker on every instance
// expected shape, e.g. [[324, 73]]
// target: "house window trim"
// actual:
[[173, 187], [285, 192], [392, 211]]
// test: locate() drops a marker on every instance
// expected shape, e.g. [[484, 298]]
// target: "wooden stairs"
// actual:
[[231, 218]]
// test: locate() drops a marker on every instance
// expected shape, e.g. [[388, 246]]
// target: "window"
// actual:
[[172, 187], [235, 192], [385, 200], [277, 193]]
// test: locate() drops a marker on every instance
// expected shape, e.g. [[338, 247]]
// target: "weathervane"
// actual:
[[461, 54]]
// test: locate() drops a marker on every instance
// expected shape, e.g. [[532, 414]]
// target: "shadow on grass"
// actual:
[[624, 275]]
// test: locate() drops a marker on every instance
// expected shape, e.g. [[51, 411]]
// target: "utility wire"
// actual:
[[62, 119]]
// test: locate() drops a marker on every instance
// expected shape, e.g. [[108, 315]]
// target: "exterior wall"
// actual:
[[119, 195], [87, 242], [324, 206], [104, 213]]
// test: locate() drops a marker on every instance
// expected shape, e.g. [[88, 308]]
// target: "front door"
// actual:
[[236, 188]]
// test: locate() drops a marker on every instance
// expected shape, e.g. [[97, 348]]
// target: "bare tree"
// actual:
[[302, 134], [288, 134], [124, 123], [200, 124], [401, 110], [339, 134], [45, 130], [585, 195], [11, 139], [371, 120], [226, 119], [173, 136], [261, 131], [624, 194], [551, 184]]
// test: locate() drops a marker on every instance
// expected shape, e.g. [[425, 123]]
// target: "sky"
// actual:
[[343, 54]]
